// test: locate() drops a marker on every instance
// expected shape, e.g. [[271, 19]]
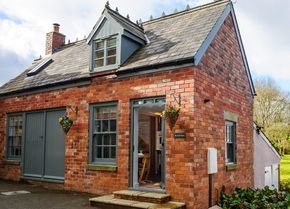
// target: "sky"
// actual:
[[264, 26]]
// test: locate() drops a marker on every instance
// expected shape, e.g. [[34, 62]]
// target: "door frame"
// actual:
[[44, 111], [134, 169]]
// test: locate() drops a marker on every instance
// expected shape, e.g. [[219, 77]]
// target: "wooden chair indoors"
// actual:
[[144, 169]]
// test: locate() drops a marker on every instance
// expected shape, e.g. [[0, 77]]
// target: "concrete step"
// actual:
[[110, 202], [142, 196]]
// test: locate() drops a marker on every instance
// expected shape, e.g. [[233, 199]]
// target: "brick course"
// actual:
[[220, 77]]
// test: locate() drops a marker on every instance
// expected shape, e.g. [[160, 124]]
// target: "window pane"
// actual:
[[97, 126], [106, 139], [113, 112], [16, 142], [111, 52], [99, 139], [113, 126], [10, 141], [228, 133], [148, 101], [10, 151], [17, 151], [106, 152], [99, 152], [113, 139], [12, 131], [111, 42], [113, 152], [105, 112], [99, 63], [111, 60], [230, 152], [99, 45], [160, 100], [105, 126], [99, 54]]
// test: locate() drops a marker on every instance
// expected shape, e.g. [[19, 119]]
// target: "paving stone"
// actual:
[[15, 193], [111, 201]]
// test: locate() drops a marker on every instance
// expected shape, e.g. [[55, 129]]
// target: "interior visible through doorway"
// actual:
[[150, 146]]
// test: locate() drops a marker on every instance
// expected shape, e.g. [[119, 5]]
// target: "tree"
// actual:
[[272, 112], [279, 134]]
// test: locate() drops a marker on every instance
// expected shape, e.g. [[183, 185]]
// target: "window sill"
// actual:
[[93, 167], [232, 167], [12, 162]]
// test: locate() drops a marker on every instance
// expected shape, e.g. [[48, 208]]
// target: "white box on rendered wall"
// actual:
[[212, 160]]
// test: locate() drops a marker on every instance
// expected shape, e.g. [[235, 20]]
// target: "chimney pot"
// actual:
[[56, 27]]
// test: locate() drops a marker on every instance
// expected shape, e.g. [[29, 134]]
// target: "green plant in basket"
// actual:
[[171, 115], [66, 123]]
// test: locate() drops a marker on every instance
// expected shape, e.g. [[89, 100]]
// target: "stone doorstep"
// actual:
[[142, 196], [110, 200]]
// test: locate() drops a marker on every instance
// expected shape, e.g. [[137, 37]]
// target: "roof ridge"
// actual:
[[126, 19], [186, 11]]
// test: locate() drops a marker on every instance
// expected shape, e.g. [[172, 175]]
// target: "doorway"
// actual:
[[44, 146], [148, 144]]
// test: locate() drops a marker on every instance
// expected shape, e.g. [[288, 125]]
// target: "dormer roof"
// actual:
[[126, 23]]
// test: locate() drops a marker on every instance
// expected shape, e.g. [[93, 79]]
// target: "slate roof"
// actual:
[[128, 25], [171, 38], [176, 37], [69, 63]]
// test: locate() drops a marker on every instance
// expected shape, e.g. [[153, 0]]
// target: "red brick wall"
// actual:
[[220, 77], [102, 89]]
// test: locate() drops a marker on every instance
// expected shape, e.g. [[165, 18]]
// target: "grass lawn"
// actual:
[[285, 168]]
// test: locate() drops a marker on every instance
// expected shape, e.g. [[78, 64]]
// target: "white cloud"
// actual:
[[265, 30], [19, 38], [265, 56], [77, 17]]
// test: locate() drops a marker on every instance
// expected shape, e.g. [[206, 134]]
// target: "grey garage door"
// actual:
[[44, 147]]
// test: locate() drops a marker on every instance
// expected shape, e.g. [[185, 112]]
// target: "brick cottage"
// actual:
[[114, 85]]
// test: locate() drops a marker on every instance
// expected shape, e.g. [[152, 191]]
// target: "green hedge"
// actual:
[[255, 199]]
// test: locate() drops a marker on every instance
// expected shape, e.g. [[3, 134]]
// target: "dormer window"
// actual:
[[113, 40], [105, 52]]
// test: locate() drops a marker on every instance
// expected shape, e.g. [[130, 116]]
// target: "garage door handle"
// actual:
[[41, 137]]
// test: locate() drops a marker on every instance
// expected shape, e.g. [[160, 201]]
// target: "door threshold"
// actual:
[[57, 181], [144, 189]]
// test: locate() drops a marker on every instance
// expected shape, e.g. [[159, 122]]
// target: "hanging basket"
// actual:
[[66, 123], [171, 115]]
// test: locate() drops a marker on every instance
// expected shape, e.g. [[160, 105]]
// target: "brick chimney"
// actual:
[[54, 40]]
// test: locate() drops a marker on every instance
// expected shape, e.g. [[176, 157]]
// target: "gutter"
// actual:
[[156, 67], [49, 87]]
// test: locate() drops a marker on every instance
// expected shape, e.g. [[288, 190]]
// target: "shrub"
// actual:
[[255, 199]]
